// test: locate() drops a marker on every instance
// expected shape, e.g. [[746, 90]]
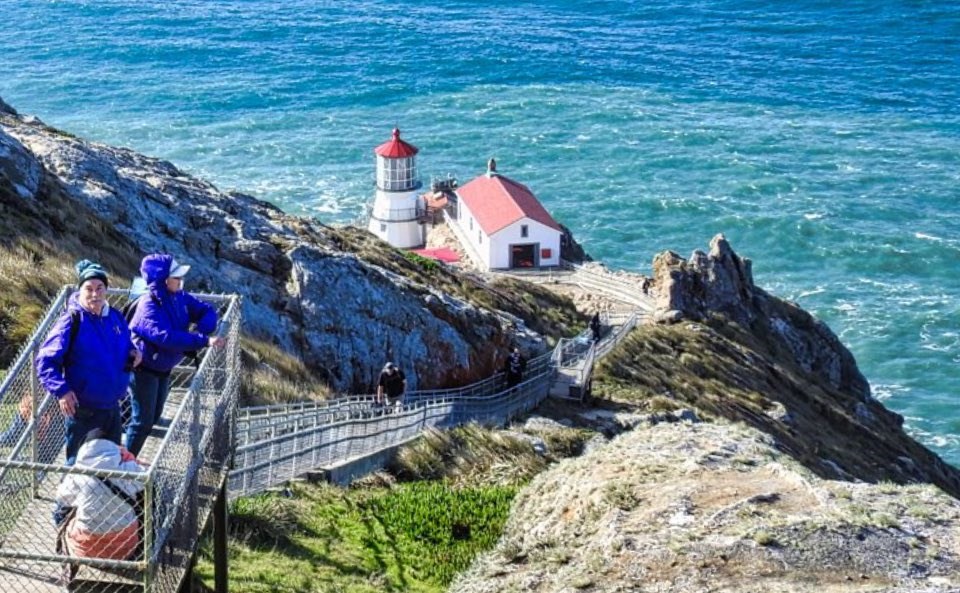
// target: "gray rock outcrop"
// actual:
[[301, 290], [701, 507], [721, 282], [20, 172]]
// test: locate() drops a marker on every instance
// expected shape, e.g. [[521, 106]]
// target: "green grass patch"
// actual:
[[411, 537], [427, 264]]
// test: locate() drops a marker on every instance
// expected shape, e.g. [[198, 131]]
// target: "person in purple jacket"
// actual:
[[85, 360], [162, 333]]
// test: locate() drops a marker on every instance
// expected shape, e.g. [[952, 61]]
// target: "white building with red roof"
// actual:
[[395, 217], [505, 224]]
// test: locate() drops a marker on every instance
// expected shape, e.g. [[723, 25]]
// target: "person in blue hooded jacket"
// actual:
[[161, 327], [85, 360]]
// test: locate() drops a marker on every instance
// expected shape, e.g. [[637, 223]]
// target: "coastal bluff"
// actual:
[[741, 450], [744, 453], [338, 299]]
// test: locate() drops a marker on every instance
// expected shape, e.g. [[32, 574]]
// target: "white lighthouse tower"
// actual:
[[395, 214]]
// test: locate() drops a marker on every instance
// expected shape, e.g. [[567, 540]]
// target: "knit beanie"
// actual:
[[87, 270]]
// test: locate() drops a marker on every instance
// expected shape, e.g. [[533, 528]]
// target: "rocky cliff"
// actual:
[[746, 455], [696, 507], [750, 454], [337, 298], [776, 367]]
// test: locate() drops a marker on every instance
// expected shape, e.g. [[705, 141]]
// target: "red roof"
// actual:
[[497, 202], [444, 254], [395, 148]]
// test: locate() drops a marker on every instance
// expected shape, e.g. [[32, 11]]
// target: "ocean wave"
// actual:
[[807, 293], [934, 238], [884, 391]]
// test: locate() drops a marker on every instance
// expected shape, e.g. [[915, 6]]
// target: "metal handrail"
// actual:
[[294, 438], [177, 498]]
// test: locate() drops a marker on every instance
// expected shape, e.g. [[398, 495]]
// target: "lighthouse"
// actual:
[[395, 208]]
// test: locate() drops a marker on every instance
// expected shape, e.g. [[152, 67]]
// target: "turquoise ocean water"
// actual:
[[823, 138]]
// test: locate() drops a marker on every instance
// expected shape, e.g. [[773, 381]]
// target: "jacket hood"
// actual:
[[99, 454], [155, 268]]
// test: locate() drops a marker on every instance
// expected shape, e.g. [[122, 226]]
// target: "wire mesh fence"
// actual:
[[134, 524]]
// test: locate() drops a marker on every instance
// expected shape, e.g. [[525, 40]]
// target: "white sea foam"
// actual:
[[927, 237], [885, 391], [806, 293]]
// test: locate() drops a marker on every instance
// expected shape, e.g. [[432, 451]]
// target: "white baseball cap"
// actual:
[[178, 270]]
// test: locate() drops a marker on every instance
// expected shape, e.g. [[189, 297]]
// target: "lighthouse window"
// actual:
[[479, 237], [383, 227], [471, 223], [524, 231], [396, 174]]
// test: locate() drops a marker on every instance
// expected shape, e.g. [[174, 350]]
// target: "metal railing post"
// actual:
[[221, 527], [148, 523], [34, 419]]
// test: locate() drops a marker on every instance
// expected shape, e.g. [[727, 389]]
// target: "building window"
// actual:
[[524, 231], [471, 223], [479, 237], [383, 227]]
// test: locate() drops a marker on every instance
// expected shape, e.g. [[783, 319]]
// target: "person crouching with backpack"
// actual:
[[104, 516], [162, 334], [85, 360]]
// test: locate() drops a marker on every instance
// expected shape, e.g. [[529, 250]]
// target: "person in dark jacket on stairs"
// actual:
[[163, 333], [514, 368], [391, 386]]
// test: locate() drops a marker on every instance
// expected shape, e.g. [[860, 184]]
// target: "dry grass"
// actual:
[[273, 376], [471, 455], [39, 242], [723, 370]]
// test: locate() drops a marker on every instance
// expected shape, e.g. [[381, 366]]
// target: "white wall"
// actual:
[[501, 241], [396, 210], [481, 246]]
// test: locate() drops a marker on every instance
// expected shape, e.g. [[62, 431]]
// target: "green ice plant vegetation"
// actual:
[[414, 536]]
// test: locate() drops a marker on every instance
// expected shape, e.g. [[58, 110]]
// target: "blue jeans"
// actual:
[[85, 420], [150, 389]]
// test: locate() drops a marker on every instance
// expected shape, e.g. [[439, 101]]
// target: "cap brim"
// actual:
[[180, 271]]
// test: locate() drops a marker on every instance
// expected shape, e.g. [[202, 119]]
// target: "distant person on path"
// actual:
[[85, 361], [595, 326], [391, 386], [161, 326], [514, 368]]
